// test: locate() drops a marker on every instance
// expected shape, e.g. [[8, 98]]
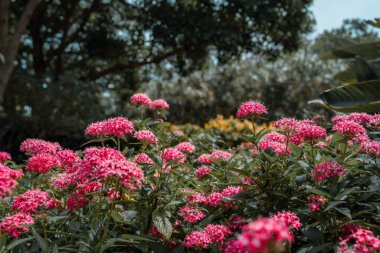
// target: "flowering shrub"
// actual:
[[138, 186]]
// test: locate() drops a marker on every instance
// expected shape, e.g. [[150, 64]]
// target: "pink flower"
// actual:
[[372, 148], [16, 224], [231, 191], [31, 200], [67, 158], [217, 233], [290, 219], [113, 194], [311, 133], [279, 148], [360, 241], [326, 170], [339, 118], [196, 198], [220, 155], [4, 156], [190, 214], [361, 118], [42, 163], [171, 154], [159, 105], [287, 126], [204, 159], [259, 235], [146, 136], [251, 109], [234, 246], [213, 199], [186, 147], [95, 129], [118, 126], [274, 136], [237, 223], [89, 187], [197, 240], [374, 122], [143, 158], [76, 202], [316, 202], [127, 172], [140, 99], [37, 146], [349, 129], [8, 179], [349, 228], [202, 172]]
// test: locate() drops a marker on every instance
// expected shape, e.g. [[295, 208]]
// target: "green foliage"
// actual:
[[362, 90]]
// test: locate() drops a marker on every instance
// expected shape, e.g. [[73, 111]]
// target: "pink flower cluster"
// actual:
[[264, 233], [37, 146], [159, 105], [143, 158], [141, 99], [4, 156], [199, 240], [202, 172], [29, 201], [43, 163], [316, 202], [16, 224], [216, 198], [216, 154], [186, 147], [361, 241], [8, 179], [251, 109], [67, 158], [279, 148], [237, 223], [98, 168], [146, 136], [326, 170], [349, 129], [118, 126], [191, 214], [287, 126], [372, 148], [291, 220], [171, 154]]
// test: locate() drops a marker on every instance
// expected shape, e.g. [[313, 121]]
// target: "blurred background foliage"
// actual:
[[79, 61]]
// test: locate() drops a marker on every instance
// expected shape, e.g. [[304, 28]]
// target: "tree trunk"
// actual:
[[11, 45]]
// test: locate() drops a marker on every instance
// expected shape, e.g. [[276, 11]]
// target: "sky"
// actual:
[[331, 13]]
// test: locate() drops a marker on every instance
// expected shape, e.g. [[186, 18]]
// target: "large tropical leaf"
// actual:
[[368, 51], [358, 97]]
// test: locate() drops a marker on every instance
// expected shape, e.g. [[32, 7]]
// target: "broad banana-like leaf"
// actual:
[[360, 70], [358, 97], [368, 51]]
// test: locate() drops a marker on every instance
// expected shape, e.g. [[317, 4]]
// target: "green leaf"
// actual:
[[40, 240], [358, 97], [18, 242], [116, 216], [345, 211], [333, 204], [162, 223]]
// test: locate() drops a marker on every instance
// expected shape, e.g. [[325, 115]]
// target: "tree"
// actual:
[[10, 43]]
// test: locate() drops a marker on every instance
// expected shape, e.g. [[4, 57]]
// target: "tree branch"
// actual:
[[4, 23], [133, 65]]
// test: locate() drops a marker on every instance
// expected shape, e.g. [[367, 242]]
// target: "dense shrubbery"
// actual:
[[305, 186]]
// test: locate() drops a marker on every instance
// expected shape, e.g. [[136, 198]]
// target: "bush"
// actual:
[[140, 187]]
